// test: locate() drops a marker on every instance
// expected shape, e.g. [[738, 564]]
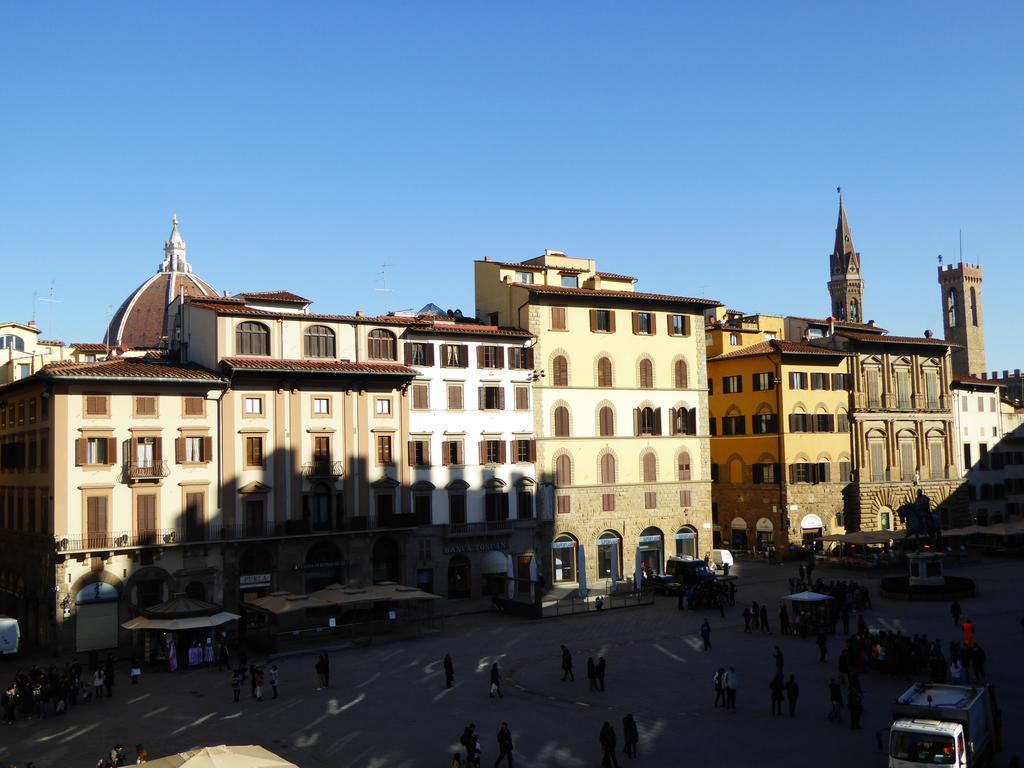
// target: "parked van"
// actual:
[[721, 557], [10, 635]]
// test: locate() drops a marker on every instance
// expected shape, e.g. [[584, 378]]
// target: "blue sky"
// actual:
[[303, 145]]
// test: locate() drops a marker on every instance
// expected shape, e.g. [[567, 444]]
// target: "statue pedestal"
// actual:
[[926, 569]]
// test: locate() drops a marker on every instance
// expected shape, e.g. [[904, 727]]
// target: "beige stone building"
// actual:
[[620, 410]]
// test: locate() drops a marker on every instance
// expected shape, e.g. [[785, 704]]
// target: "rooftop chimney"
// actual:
[[928, 334], [360, 313]]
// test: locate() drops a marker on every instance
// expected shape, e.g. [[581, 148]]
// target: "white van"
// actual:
[[10, 635], [719, 558]]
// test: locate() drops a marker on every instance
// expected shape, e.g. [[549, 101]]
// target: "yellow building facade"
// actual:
[[780, 445], [620, 412]]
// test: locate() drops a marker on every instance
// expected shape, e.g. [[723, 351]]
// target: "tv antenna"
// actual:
[[50, 299], [382, 278]]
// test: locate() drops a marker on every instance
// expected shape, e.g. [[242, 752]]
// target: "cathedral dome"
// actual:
[[141, 320]]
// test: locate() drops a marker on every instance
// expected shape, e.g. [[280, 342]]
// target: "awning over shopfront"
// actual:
[[180, 613], [865, 538], [494, 562], [278, 603], [223, 757], [336, 594]]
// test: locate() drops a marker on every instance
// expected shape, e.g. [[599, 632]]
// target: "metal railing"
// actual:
[[618, 598], [143, 470], [323, 468], [489, 528]]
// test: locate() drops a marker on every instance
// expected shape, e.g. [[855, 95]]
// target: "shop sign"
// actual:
[[563, 544], [320, 566], [684, 536], [254, 580], [457, 549], [651, 539]]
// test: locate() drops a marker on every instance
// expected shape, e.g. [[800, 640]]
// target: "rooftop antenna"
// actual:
[[382, 278], [51, 300], [939, 257], [961, 245]]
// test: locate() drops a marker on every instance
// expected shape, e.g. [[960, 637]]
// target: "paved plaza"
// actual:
[[387, 704]]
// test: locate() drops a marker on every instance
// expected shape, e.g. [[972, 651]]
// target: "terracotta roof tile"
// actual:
[[89, 347], [484, 330], [603, 293], [282, 296], [316, 366], [238, 308], [774, 346], [135, 368], [613, 276], [963, 378], [50, 343], [886, 339], [843, 324]]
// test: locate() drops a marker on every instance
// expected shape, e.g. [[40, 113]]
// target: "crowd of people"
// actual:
[[38, 693]]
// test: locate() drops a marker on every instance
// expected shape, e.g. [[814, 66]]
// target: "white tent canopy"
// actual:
[[223, 757], [808, 597]]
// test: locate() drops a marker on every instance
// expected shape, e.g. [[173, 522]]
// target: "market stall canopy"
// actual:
[[285, 602], [968, 530], [223, 757], [181, 613], [808, 597], [336, 594]]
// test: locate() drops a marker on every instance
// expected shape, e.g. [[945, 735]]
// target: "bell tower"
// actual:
[[962, 320], [846, 287]]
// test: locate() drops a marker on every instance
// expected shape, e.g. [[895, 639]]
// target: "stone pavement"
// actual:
[[387, 705]]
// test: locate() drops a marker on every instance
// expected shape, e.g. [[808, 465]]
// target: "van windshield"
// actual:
[[922, 748]]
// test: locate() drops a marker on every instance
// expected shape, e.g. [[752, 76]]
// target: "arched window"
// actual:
[[646, 374], [604, 372], [561, 421], [683, 463], [681, 375], [609, 555], [252, 339], [647, 421], [606, 422], [854, 311], [560, 371], [10, 341], [381, 345], [974, 306], [319, 341], [649, 466], [563, 471], [607, 469], [951, 308]]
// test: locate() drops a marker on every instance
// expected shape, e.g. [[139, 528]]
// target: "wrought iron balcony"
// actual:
[[489, 528], [135, 471], [323, 468]]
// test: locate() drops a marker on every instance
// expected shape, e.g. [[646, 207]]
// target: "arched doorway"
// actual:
[[739, 534], [563, 558], [609, 556], [686, 542], [884, 519], [385, 560], [458, 577], [323, 566], [811, 528], [651, 545], [494, 569], [765, 532]]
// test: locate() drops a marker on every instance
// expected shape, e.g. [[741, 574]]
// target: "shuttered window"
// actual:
[[606, 422], [522, 392], [907, 464], [931, 383], [873, 380], [454, 356], [380, 345], [683, 466], [419, 353], [876, 452], [561, 421], [602, 321], [492, 397], [558, 319], [680, 375], [563, 471], [560, 371], [145, 405], [649, 468], [936, 459], [678, 325], [95, 405], [455, 397], [318, 341], [489, 356], [607, 469], [96, 523], [604, 372], [421, 396], [903, 389], [194, 406], [145, 514], [384, 453], [252, 339], [253, 451], [520, 358], [819, 381], [646, 374]]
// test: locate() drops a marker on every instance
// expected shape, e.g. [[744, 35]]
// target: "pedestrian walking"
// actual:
[[97, 683], [257, 675], [730, 689], [783, 620], [504, 745], [591, 673], [778, 660], [720, 687], [792, 692], [319, 666], [252, 681], [855, 704], [978, 657], [846, 619], [956, 671], [449, 671], [236, 685], [567, 666], [968, 629], [607, 739], [746, 620], [223, 660], [955, 611], [835, 697], [822, 647], [108, 675], [630, 736], [275, 679], [468, 740], [495, 682], [327, 671], [600, 673], [764, 620], [777, 688], [136, 671], [705, 634], [141, 755]]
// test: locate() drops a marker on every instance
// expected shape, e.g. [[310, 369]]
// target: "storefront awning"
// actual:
[[494, 562], [173, 625]]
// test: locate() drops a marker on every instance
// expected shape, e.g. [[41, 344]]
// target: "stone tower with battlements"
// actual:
[[962, 320], [846, 286]]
